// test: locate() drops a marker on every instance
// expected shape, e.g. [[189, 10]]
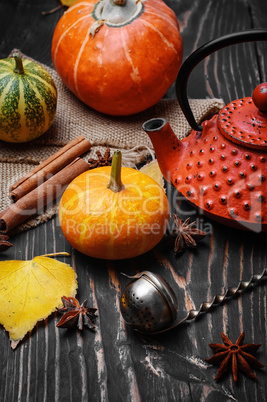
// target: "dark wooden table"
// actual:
[[114, 363]]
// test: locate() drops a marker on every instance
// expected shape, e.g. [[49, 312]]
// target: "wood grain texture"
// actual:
[[113, 363], [222, 75]]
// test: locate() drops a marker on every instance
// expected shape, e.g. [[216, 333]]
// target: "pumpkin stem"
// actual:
[[115, 183], [19, 65], [119, 2], [117, 12]]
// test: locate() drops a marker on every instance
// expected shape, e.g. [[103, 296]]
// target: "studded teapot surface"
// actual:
[[221, 167]]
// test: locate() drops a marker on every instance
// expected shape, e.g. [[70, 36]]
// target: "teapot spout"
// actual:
[[166, 145]]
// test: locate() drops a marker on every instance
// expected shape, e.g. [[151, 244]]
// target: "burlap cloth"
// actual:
[[73, 118]]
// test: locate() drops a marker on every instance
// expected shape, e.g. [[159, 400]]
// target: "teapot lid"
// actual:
[[244, 121]]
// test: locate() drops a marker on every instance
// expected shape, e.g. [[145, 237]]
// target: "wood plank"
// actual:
[[23, 26], [114, 363], [259, 20], [223, 74]]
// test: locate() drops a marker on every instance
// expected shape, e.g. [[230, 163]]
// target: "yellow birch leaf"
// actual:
[[152, 170], [31, 290], [67, 3]]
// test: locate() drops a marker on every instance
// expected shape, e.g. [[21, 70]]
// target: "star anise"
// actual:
[[76, 314], [4, 243], [102, 160], [237, 355], [186, 234]]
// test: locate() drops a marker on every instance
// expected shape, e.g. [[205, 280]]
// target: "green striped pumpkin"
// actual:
[[28, 99]]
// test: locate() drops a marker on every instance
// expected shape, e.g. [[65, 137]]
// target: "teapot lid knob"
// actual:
[[244, 121], [259, 97]]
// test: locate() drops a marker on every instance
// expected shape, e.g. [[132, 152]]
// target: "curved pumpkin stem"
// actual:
[[115, 184], [119, 2], [19, 65], [117, 12]]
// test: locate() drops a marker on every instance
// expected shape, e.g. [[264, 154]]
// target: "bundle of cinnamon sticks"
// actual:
[[43, 184]]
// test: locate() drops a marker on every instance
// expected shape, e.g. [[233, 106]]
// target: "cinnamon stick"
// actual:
[[35, 201], [3, 212], [49, 167]]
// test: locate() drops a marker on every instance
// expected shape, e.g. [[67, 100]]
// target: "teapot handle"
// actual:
[[198, 55]]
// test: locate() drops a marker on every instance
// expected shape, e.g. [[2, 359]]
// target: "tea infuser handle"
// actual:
[[198, 55], [217, 300]]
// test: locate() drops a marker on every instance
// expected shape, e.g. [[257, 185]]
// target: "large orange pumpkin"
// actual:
[[118, 59], [113, 213]]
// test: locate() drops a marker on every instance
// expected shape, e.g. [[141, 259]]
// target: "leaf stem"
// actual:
[[61, 253], [53, 10]]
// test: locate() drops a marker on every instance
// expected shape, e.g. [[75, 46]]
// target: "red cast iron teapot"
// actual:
[[221, 167]]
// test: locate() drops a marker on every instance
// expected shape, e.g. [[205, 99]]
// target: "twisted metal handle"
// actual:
[[218, 299]]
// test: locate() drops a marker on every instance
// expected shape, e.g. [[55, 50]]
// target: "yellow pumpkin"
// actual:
[[113, 212]]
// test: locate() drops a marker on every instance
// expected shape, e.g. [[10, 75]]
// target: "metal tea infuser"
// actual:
[[149, 305]]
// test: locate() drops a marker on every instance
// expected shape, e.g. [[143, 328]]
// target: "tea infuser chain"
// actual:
[[134, 317], [218, 299]]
